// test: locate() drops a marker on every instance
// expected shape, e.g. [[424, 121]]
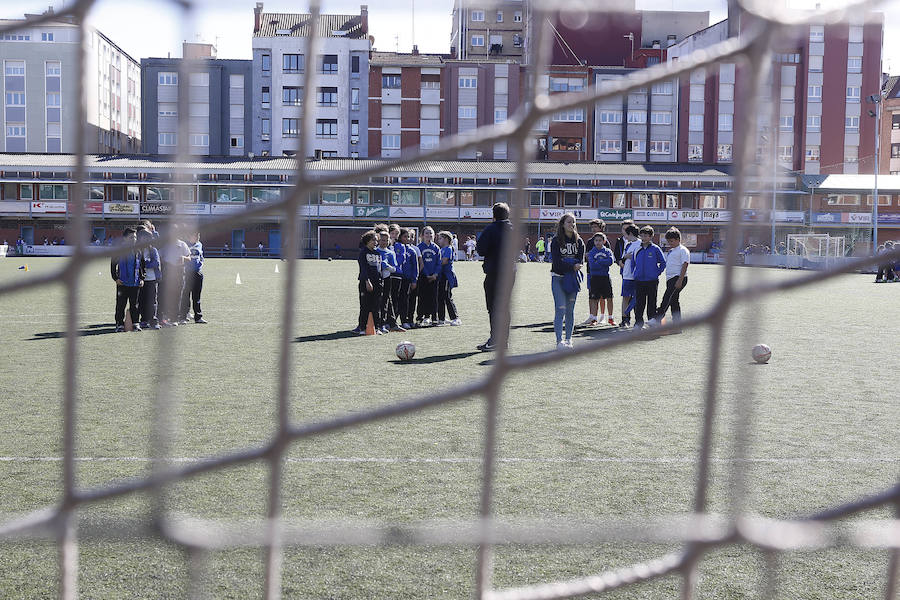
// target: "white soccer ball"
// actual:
[[406, 350], [761, 353]]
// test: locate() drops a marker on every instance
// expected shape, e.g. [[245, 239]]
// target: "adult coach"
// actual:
[[490, 246]]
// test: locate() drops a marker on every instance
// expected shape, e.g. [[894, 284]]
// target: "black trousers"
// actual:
[[410, 316], [402, 309], [190, 295], [645, 297], [670, 298], [446, 305], [126, 294], [148, 302], [396, 308], [170, 302], [885, 272], [491, 284], [427, 298], [369, 302]]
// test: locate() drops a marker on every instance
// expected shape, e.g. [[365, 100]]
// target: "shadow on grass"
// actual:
[[324, 337], [436, 359], [97, 329]]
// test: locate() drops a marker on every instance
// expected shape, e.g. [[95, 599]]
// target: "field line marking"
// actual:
[[467, 460]]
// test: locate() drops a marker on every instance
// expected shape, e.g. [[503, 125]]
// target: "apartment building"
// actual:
[[495, 29], [220, 96], [39, 90], [406, 102], [889, 160], [280, 59]]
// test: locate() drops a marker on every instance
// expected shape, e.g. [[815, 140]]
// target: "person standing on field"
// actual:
[[490, 246]]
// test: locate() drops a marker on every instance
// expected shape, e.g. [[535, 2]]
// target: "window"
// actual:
[[478, 40], [199, 139], [852, 93], [637, 116], [787, 93], [330, 63], [695, 152], [478, 15], [429, 142], [814, 92], [856, 34], [354, 130], [786, 153], [695, 123], [608, 146], [883, 200], [854, 65], [293, 63], [167, 78], [292, 96], [843, 199], [814, 123], [499, 115], [237, 141], [635, 146], [895, 121], [660, 147], [517, 40], [390, 82], [15, 130], [812, 153], [326, 128], [198, 109], [816, 33], [662, 89], [201, 79], [440, 197], [266, 60], [354, 98], [726, 122], [326, 96], [16, 38], [499, 16], [786, 123], [290, 128], [815, 64], [697, 92], [644, 200], [468, 82], [168, 139], [660, 118], [726, 91], [435, 84], [895, 150], [712, 201], [566, 144], [576, 199], [851, 124], [517, 16], [610, 116], [231, 194], [266, 97], [54, 192], [406, 197], [354, 65], [46, 37], [54, 99], [16, 98], [724, 152], [574, 115], [336, 197], [467, 112], [54, 67], [566, 84], [266, 128], [236, 82]]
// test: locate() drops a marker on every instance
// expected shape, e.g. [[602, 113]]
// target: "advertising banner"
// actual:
[[882, 217], [790, 216], [442, 212], [15, 208], [195, 209], [614, 214], [371, 212], [49, 250], [48, 207], [93, 208], [859, 218], [336, 210], [553, 214], [842, 218], [716, 216], [308, 210], [407, 212], [685, 216], [121, 208], [471, 212], [157, 208], [649, 214], [227, 208]]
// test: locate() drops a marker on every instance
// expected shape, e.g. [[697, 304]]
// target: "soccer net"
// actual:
[[816, 246], [763, 27]]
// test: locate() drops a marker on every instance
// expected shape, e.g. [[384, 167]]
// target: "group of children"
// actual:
[[402, 284], [640, 263], [143, 278], [887, 271]]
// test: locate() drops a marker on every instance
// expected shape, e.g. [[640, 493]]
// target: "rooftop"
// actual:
[[405, 59], [300, 25]]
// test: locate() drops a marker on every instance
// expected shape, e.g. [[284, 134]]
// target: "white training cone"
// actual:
[[237, 280], [276, 267]]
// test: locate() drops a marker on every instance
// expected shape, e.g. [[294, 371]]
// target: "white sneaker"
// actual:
[[588, 321], [456, 322], [569, 344], [426, 322], [440, 323], [561, 346]]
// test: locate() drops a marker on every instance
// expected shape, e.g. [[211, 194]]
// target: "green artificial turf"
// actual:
[[605, 436]]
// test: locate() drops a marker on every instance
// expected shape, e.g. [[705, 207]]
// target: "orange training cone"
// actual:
[[370, 326], [129, 326]]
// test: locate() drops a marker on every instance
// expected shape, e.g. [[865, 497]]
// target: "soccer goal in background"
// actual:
[[819, 249]]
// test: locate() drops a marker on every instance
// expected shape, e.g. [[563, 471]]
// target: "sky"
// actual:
[[143, 28]]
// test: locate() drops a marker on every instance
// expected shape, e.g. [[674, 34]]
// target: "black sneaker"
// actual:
[[201, 321], [488, 346]]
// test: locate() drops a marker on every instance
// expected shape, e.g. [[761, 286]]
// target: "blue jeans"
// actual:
[[564, 305]]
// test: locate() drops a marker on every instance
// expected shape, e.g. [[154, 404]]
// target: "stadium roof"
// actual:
[[889, 184]]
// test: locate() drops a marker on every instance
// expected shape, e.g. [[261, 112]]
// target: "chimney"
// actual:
[[655, 45], [671, 40], [415, 49], [257, 16], [364, 17]]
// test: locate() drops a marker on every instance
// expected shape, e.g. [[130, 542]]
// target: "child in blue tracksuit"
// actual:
[[409, 269], [649, 264], [600, 297], [370, 283], [447, 281], [389, 266], [193, 281], [428, 275], [395, 317], [127, 271], [148, 303]]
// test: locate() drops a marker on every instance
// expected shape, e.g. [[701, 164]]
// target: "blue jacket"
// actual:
[[369, 266], [410, 265], [431, 264], [153, 262], [649, 263], [196, 264], [128, 269], [599, 261], [388, 259], [571, 281], [447, 270]]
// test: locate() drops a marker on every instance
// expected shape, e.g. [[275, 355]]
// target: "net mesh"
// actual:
[[698, 535]]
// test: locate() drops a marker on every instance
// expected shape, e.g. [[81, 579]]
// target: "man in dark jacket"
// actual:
[[127, 270], [490, 246]]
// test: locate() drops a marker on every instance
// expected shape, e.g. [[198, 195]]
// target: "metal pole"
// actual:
[[875, 186], [774, 194]]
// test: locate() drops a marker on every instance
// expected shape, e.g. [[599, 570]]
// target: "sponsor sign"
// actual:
[[157, 208], [195, 209], [882, 217], [48, 207], [15, 208], [614, 214], [751, 214], [93, 208], [49, 250], [790, 216], [829, 218], [335, 210], [471, 212], [716, 216], [407, 212], [442, 212], [553, 214], [121, 208], [649, 214], [859, 218], [685, 216], [371, 212], [308, 210], [227, 209]]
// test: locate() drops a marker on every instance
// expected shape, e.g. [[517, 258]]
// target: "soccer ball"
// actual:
[[761, 353], [406, 350]]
